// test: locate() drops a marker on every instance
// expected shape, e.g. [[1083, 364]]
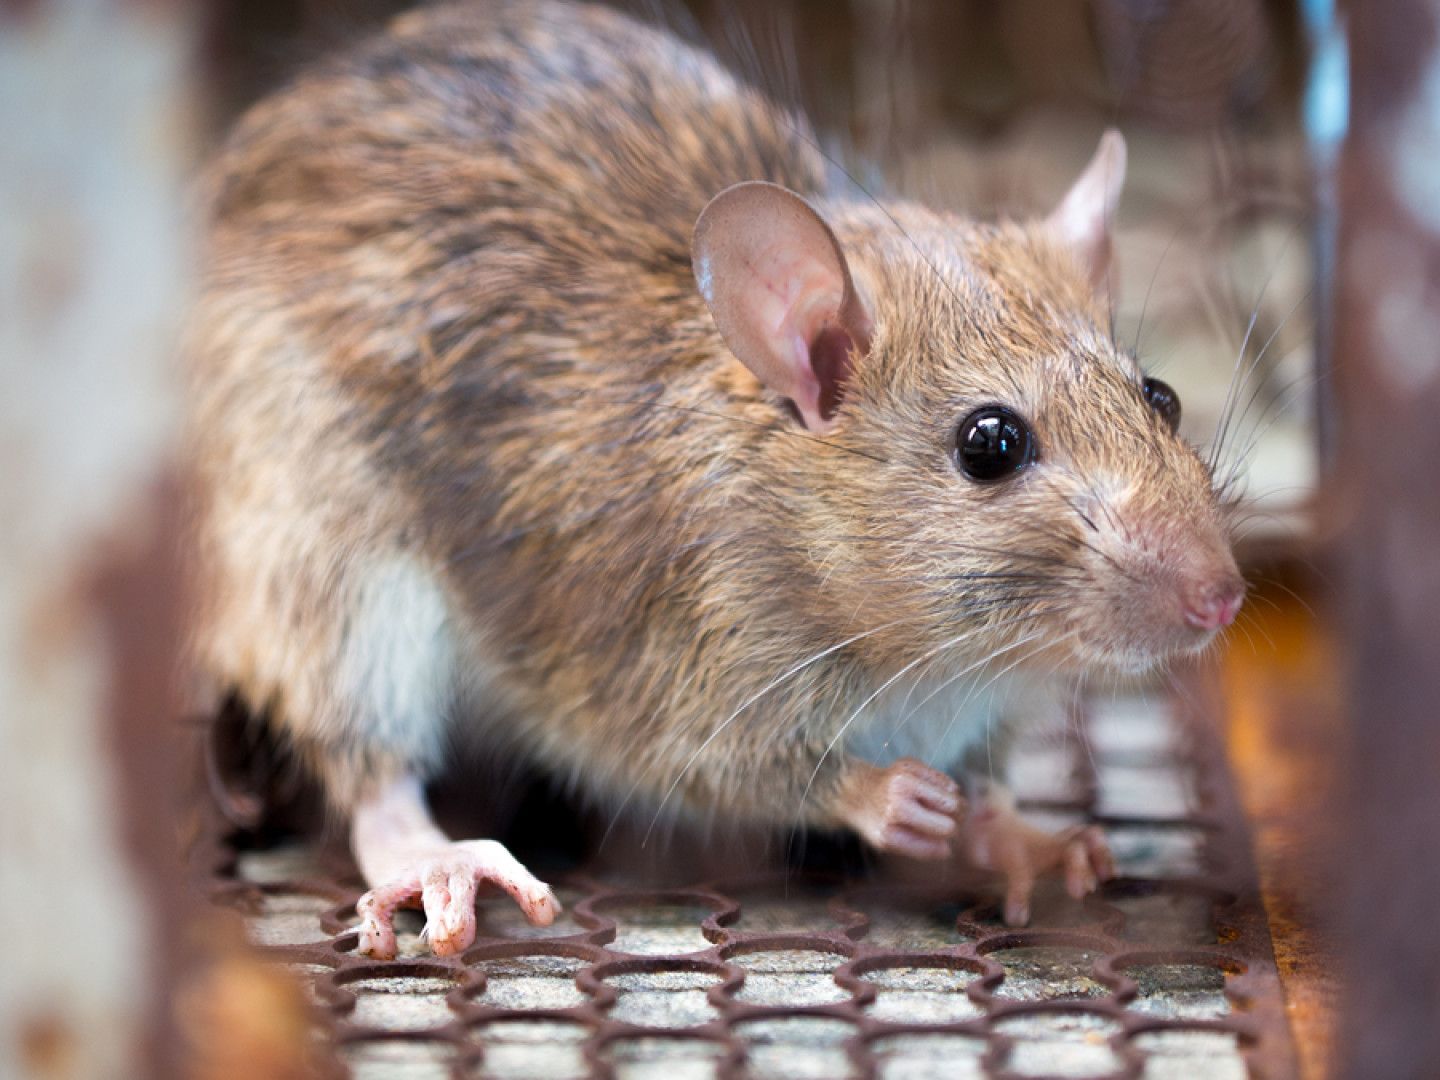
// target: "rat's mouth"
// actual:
[[1159, 606], [1140, 659], [1130, 643]]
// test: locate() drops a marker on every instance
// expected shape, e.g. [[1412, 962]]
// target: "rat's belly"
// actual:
[[942, 724]]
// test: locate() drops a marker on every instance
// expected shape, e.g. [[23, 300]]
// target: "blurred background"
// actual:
[[992, 108], [1279, 264]]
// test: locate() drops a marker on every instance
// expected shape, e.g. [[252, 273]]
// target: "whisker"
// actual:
[[956, 677], [1273, 583], [845, 726], [1260, 356], [1258, 626], [1145, 305], [939, 277], [779, 680], [1229, 402], [1082, 732], [1108, 558], [1240, 626], [1297, 386], [989, 720]]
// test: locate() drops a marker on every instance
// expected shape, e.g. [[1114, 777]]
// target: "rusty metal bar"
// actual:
[[1388, 374], [93, 257]]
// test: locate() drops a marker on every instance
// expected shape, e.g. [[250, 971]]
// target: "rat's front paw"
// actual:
[[444, 880], [997, 839], [906, 809]]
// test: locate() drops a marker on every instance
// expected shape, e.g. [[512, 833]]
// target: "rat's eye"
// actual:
[[1160, 397], [993, 443]]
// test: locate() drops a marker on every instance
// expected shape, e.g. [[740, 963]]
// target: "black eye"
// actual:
[[1163, 399], [993, 443]]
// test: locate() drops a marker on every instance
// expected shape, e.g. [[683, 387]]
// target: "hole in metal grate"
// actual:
[[1189, 1055], [790, 978], [1060, 1044], [907, 993], [650, 1057], [396, 1059], [531, 982], [798, 1048], [1179, 991], [532, 1049], [929, 1057], [664, 998], [659, 928], [1048, 973]]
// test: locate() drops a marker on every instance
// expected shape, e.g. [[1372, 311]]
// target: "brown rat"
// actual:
[[518, 420]]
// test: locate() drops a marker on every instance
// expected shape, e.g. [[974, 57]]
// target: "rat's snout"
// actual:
[[1210, 605], [1197, 569], [1199, 589], [1168, 585]]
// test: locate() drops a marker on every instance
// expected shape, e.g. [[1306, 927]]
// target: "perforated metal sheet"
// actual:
[[1167, 974]]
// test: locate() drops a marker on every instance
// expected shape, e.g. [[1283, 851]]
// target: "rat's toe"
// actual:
[[542, 908], [1102, 860], [459, 916], [1080, 876], [917, 817], [375, 936], [495, 865], [915, 845], [919, 783], [440, 918], [1018, 889]]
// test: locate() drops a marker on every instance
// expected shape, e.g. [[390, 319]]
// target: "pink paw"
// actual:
[[445, 881], [906, 809], [997, 839]]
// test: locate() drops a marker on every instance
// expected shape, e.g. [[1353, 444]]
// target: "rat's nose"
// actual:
[[1212, 606]]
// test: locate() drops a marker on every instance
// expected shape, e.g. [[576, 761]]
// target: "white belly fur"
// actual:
[[940, 726]]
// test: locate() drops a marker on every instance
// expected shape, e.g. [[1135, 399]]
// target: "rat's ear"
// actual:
[[1082, 220], [780, 291]]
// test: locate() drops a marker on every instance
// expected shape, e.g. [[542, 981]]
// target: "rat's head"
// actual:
[[984, 467]]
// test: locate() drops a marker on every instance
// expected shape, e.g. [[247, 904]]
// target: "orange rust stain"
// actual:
[[243, 1016], [1283, 726], [47, 1047]]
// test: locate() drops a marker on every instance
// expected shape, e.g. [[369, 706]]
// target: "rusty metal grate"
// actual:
[[1168, 974]]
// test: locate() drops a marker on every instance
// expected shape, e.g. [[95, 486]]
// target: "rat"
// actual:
[[548, 393]]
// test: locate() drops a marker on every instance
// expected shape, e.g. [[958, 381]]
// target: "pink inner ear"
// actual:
[[1082, 221], [830, 359], [777, 284]]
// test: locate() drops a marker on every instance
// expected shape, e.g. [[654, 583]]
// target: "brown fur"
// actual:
[[449, 316]]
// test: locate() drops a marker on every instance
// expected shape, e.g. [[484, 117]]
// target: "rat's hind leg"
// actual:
[[407, 861], [395, 687]]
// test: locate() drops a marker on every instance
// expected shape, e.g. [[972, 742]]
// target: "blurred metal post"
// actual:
[[1326, 110], [1387, 467], [93, 277]]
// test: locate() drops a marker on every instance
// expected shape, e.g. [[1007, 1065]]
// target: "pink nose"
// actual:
[[1214, 606]]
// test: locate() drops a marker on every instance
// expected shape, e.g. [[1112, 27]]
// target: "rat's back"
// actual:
[[434, 265], [566, 118]]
